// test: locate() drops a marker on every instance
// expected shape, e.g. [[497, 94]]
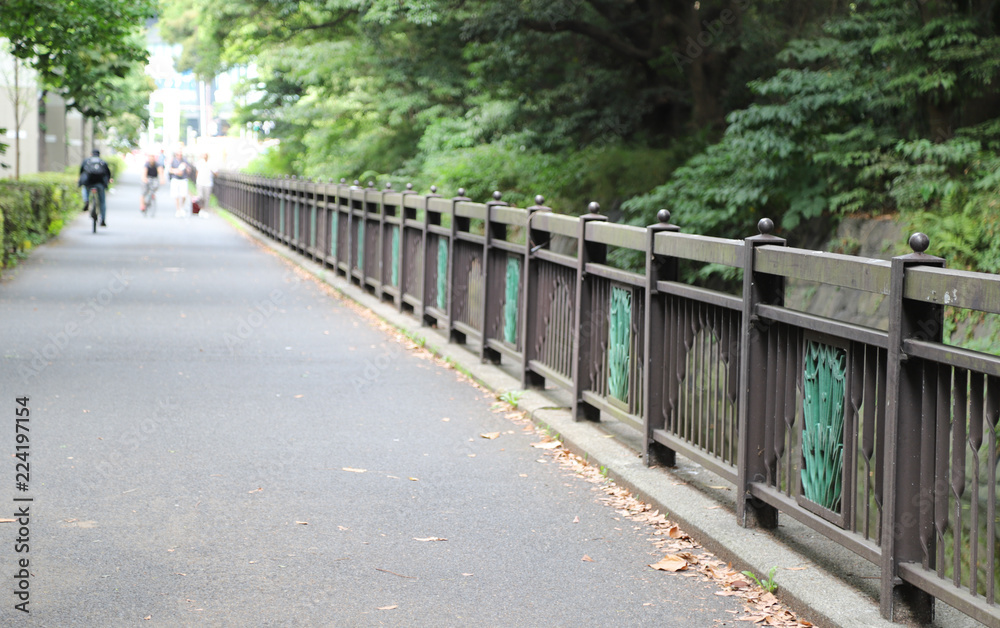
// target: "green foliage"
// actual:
[[768, 584], [511, 397], [34, 209], [82, 49], [882, 112]]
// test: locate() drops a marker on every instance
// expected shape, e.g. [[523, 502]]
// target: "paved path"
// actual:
[[193, 400]]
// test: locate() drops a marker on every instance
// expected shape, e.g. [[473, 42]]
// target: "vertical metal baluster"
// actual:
[[778, 418], [941, 463], [670, 320], [883, 359], [976, 419], [992, 415], [772, 351], [857, 390], [958, 429], [870, 400], [792, 366], [928, 414]]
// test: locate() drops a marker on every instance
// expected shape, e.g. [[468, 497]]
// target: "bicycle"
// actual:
[[93, 202], [149, 198]]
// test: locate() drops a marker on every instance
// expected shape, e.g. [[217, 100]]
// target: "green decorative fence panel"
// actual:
[[361, 246], [442, 274], [825, 368], [334, 231], [619, 342], [511, 293]]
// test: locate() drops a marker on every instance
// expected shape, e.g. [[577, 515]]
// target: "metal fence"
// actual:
[[886, 442]]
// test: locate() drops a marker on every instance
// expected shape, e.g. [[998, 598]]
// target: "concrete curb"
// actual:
[[822, 582]]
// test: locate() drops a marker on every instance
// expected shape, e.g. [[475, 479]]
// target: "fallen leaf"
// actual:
[[587, 559], [740, 584], [670, 562], [414, 480], [688, 556], [675, 533], [256, 490], [148, 617], [552, 444], [787, 568], [430, 538], [177, 573], [466, 574], [353, 470], [302, 523], [490, 435], [342, 528], [388, 608], [576, 519]]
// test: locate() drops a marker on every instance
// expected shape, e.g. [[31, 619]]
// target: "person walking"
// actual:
[[179, 171], [204, 180], [95, 173], [152, 176]]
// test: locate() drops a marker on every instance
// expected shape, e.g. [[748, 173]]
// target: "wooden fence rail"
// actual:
[[886, 442]]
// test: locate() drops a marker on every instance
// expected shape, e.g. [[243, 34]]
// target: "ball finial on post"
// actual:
[[539, 199], [434, 189], [461, 191], [765, 226], [919, 242], [663, 216]]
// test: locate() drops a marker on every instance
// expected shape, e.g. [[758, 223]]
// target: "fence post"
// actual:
[[657, 269], [901, 511], [499, 231], [453, 334], [751, 465], [381, 294], [585, 327], [533, 242], [430, 218]]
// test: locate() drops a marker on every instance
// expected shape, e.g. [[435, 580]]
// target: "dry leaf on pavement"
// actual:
[[430, 538], [587, 559], [552, 444], [490, 435], [670, 562], [353, 470], [388, 608]]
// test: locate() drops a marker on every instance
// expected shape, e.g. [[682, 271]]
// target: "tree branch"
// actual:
[[592, 32]]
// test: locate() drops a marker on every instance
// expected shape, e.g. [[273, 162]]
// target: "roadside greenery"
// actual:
[[722, 112], [34, 209]]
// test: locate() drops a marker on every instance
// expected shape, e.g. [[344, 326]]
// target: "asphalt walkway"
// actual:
[[215, 441]]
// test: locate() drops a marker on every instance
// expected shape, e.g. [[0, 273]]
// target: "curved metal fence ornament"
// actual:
[[823, 424], [619, 342], [510, 300], [442, 276]]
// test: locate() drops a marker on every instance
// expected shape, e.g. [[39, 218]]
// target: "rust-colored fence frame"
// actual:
[[715, 376]]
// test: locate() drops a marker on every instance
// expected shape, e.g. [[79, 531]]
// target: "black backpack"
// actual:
[[94, 166]]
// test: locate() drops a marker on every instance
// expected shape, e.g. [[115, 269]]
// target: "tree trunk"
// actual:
[[17, 120], [43, 163]]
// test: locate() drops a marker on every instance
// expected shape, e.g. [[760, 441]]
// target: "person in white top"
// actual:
[[205, 179]]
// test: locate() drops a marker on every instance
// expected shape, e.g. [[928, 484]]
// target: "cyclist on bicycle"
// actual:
[[152, 176], [94, 173]]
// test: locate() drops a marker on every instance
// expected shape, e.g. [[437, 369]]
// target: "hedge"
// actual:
[[33, 209]]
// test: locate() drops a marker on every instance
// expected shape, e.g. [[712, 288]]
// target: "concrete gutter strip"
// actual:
[[812, 589]]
